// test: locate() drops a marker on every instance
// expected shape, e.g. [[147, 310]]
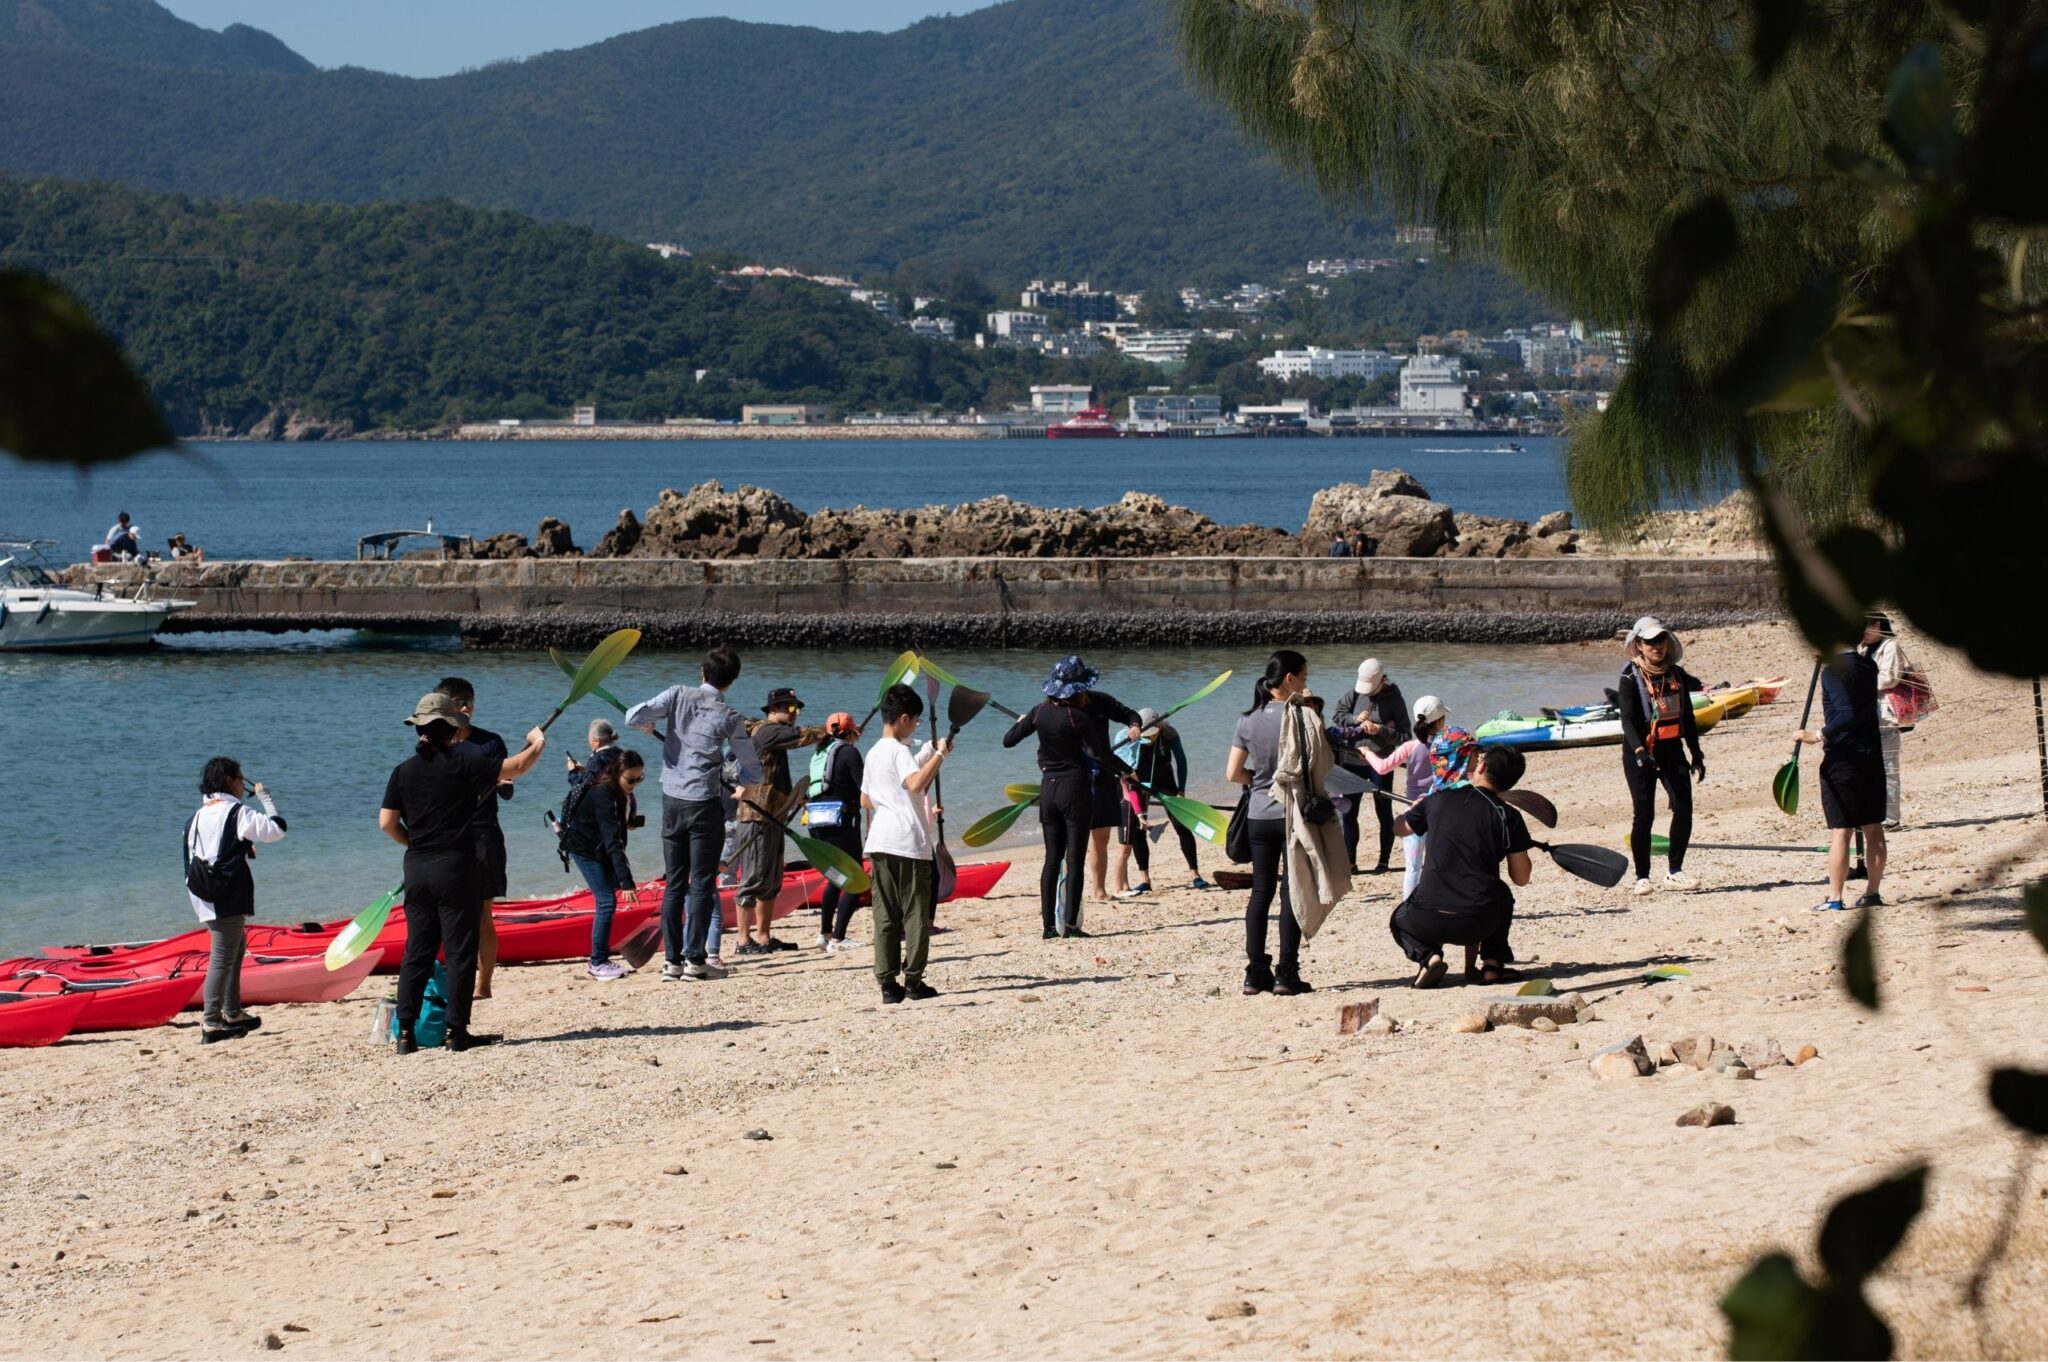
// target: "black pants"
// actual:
[[835, 909], [444, 897], [1269, 848], [692, 835], [1382, 806], [1066, 815], [1642, 788], [1423, 932]]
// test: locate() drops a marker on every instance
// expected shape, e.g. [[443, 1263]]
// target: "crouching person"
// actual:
[[1461, 898]]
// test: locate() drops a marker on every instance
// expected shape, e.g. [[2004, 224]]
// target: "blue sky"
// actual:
[[435, 37]]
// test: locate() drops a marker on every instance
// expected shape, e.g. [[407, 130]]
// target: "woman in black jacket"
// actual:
[[1658, 732], [594, 819], [1376, 706]]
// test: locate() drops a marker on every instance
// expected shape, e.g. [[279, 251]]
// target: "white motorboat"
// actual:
[[38, 611]]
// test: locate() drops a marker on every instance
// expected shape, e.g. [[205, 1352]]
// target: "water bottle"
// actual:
[[384, 1021]]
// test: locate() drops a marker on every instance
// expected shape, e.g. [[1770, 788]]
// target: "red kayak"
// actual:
[[134, 1003], [27, 1020]]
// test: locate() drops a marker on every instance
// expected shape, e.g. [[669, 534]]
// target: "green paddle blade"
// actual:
[[1663, 972], [986, 829], [932, 668], [1202, 694], [901, 670], [1785, 787], [599, 664], [355, 938], [1537, 988], [835, 865], [1019, 793], [569, 670], [1209, 824]]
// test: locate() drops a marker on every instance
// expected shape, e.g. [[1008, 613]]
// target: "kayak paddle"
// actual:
[[932, 668], [355, 938], [569, 670], [944, 873], [986, 829], [1785, 785], [1535, 805], [1202, 694], [834, 864], [1018, 793], [1205, 821], [901, 670], [1603, 867]]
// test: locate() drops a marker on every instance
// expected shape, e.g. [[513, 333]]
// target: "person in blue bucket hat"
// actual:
[[1080, 790]]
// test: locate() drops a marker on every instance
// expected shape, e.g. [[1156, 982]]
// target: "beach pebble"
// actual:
[[1724, 1059], [1664, 1054], [1761, 1052], [1709, 1114], [757, 1134], [1471, 1024], [1623, 1059], [1542, 1024], [1806, 1052], [1352, 1017], [1698, 1051], [1381, 1025], [374, 1159], [675, 1170], [1738, 1071], [271, 1343], [1233, 1310]]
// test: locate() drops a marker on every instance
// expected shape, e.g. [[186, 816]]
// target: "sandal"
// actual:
[[1432, 974], [1499, 974]]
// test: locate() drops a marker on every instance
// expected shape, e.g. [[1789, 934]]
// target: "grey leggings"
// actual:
[[223, 992]]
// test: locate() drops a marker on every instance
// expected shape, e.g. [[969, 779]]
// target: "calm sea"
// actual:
[[268, 500], [103, 753]]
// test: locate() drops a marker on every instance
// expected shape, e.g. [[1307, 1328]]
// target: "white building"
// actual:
[[1432, 386], [1017, 328], [879, 299], [1316, 362], [1060, 399], [668, 250], [933, 328], [1177, 409], [1158, 347]]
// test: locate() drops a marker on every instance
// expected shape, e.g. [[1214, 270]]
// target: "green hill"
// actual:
[[1034, 137], [420, 314]]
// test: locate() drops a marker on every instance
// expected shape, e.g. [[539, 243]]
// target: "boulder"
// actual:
[[1709, 1114], [507, 545], [1486, 536], [1523, 1012], [1698, 1051], [1761, 1052], [621, 538], [1557, 522], [1623, 1059], [710, 522], [1391, 507], [552, 540]]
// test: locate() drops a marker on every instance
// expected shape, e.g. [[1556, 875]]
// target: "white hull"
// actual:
[[81, 623]]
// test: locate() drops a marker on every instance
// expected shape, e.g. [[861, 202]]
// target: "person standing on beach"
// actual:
[[1159, 764], [1460, 898], [1882, 646], [775, 736], [833, 816], [1851, 773], [901, 844], [1417, 758], [701, 727], [1079, 784], [219, 840], [1379, 711], [1254, 758], [489, 835], [1658, 734], [594, 831], [429, 804]]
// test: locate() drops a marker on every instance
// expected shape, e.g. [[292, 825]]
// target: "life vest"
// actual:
[[821, 760], [1668, 704]]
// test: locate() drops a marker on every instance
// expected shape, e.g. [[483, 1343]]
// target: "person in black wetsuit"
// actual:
[[1080, 779], [484, 828], [1658, 733], [428, 804]]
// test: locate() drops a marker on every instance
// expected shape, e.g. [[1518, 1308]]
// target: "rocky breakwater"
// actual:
[[1392, 509]]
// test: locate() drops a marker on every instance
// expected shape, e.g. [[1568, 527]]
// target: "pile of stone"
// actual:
[[708, 521]]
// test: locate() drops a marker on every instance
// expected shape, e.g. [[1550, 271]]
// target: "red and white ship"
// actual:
[[1092, 423]]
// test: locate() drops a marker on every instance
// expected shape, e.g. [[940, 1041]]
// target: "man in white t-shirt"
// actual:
[[901, 843]]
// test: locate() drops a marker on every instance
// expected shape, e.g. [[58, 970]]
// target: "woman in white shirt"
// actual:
[[901, 843], [218, 843]]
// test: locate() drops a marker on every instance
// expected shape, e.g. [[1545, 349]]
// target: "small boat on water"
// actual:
[[1092, 423], [37, 611]]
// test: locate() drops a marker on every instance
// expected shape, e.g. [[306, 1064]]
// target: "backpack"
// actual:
[[431, 1030], [580, 786], [216, 881]]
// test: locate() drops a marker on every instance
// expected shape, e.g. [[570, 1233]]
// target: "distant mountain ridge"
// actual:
[[144, 32], [1051, 137]]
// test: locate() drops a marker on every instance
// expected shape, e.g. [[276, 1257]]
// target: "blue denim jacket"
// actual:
[[701, 725]]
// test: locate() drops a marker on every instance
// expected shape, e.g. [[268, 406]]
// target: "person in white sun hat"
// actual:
[[1658, 735]]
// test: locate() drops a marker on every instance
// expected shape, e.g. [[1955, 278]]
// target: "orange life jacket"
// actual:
[[1668, 704]]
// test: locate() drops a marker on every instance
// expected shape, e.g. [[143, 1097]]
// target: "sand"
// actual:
[[1090, 1148]]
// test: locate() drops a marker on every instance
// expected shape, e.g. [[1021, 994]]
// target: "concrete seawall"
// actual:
[[991, 601]]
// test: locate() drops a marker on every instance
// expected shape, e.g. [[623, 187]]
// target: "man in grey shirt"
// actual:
[[701, 726]]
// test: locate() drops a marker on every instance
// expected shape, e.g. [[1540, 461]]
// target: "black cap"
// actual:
[[782, 697]]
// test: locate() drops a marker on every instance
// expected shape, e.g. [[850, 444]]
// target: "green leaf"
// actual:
[[2021, 1097], [2036, 904], [66, 395], [1773, 26], [1919, 113], [1782, 344], [1774, 1312], [1864, 1227], [1692, 246], [1859, 963]]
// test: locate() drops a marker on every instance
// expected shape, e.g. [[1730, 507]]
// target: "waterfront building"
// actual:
[[778, 414], [1432, 386], [1317, 362], [1060, 399], [1176, 409], [585, 416]]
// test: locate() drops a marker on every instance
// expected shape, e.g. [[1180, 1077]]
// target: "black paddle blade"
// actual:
[[963, 705], [1533, 804], [1597, 864]]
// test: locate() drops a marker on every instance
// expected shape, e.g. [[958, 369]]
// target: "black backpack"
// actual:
[[215, 880]]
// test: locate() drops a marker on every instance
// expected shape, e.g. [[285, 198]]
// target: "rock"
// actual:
[[674, 1170], [441, 1194], [1471, 1024], [552, 540], [1524, 1011], [272, 1343], [710, 522], [621, 538], [945, 1165], [1392, 508], [757, 1134], [1761, 1052], [1557, 522], [1698, 1051], [1542, 1024], [1738, 1070], [1724, 1059], [507, 545], [1233, 1310], [1806, 1052], [1623, 1059], [1664, 1054], [1486, 536], [374, 1159], [1381, 1025], [1353, 1016], [1709, 1114]]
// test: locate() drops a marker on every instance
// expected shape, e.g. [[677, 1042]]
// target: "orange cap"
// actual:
[[841, 725]]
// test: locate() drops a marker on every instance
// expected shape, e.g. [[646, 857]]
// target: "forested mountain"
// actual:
[[1052, 137], [418, 314]]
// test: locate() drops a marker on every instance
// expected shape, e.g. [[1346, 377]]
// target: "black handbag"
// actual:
[[1316, 806], [1237, 838]]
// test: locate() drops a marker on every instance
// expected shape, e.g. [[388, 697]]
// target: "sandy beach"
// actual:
[[1097, 1147]]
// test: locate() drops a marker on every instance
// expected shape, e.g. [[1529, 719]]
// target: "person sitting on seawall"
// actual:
[[123, 538], [219, 841], [1340, 547], [1658, 733], [179, 549], [1851, 773], [1461, 898], [594, 831]]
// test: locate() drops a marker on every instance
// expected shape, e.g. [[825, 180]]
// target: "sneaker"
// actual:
[[704, 971], [892, 992], [1199, 883], [405, 1045], [246, 1022], [1074, 931], [209, 1037], [1051, 934], [1870, 901], [1830, 906], [919, 991], [1892, 825], [671, 973], [1127, 893], [846, 947], [1642, 887], [718, 963], [749, 947], [604, 971], [1678, 879], [460, 1039], [776, 943]]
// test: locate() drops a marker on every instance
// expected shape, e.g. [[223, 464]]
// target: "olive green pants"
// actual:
[[903, 907]]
